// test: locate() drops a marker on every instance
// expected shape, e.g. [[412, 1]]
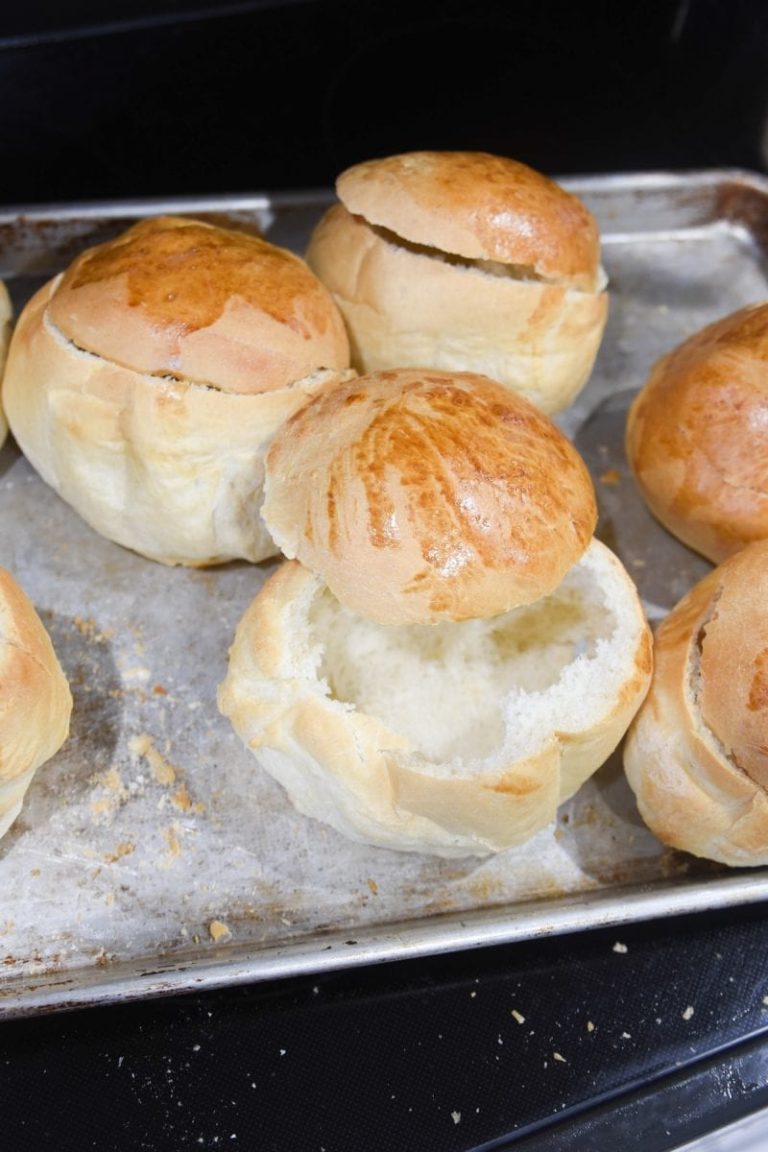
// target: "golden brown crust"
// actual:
[[406, 309], [35, 700], [6, 317], [145, 382], [697, 438], [479, 206], [697, 752], [168, 468], [215, 306], [378, 765], [422, 496]]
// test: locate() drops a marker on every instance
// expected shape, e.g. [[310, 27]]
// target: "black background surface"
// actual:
[[143, 99]]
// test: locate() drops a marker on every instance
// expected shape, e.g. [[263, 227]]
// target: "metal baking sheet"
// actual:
[[152, 854]]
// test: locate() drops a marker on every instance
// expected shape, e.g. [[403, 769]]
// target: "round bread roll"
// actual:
[[457, 739], [697, 436], [422, 496], [6, 316], [35, 700], [465, 261], [696, 755], [145, 383]]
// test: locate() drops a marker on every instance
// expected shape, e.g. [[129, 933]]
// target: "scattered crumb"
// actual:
[[123, 849], [456, 1117], [373, 886], [765, 1000], [626, 1035], [619, 947], [559, 1058], [171, 835], [518, 1016], [218, 930], [87, 627], [143, 746], [611, 477], [182, 800], [686, 1015], [590, 1026]]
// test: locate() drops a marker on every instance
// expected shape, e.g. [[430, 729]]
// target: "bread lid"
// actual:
[[480, 207], [179, 297], [421, 496]]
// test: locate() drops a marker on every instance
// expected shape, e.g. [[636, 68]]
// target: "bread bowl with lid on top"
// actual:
[[145, 382], [465, 261], [697, 435], [35, 699], [6, 320], [447, 653], [696, 755]]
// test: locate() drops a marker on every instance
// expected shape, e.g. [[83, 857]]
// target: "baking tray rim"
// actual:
[[26, 994]]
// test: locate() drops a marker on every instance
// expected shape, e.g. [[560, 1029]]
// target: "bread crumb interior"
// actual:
[[444, 687]]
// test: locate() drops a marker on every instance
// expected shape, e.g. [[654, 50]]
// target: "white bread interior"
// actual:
[[696, 435], [35, 700], [145, 387], [455, 739], [421, 496], [6, 319], [696, 755]]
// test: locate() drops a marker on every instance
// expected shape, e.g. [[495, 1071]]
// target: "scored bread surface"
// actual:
[[422, 496]]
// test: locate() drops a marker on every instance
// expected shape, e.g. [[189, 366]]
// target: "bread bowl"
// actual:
[[696, 755], [6, 316], [423, 495], [465, 261], [35, 699], [697, 435], [452, 739], [145, 382], [447, 652]]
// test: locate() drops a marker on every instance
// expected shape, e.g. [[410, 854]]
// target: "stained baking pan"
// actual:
[[153, 855]]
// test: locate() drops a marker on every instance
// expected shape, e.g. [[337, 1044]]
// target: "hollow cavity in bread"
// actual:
[[454, 739]]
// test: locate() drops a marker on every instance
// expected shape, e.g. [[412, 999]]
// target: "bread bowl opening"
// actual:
[[465, 692], [497, 268]]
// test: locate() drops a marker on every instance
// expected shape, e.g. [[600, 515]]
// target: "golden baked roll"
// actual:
[[696, 755], [6, 315], [465, 261], [454, 739], [146, 381], [422, 496], [697, 436], [35, 700]]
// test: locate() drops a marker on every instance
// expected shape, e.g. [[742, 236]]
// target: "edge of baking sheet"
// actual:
[[673, 203]]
